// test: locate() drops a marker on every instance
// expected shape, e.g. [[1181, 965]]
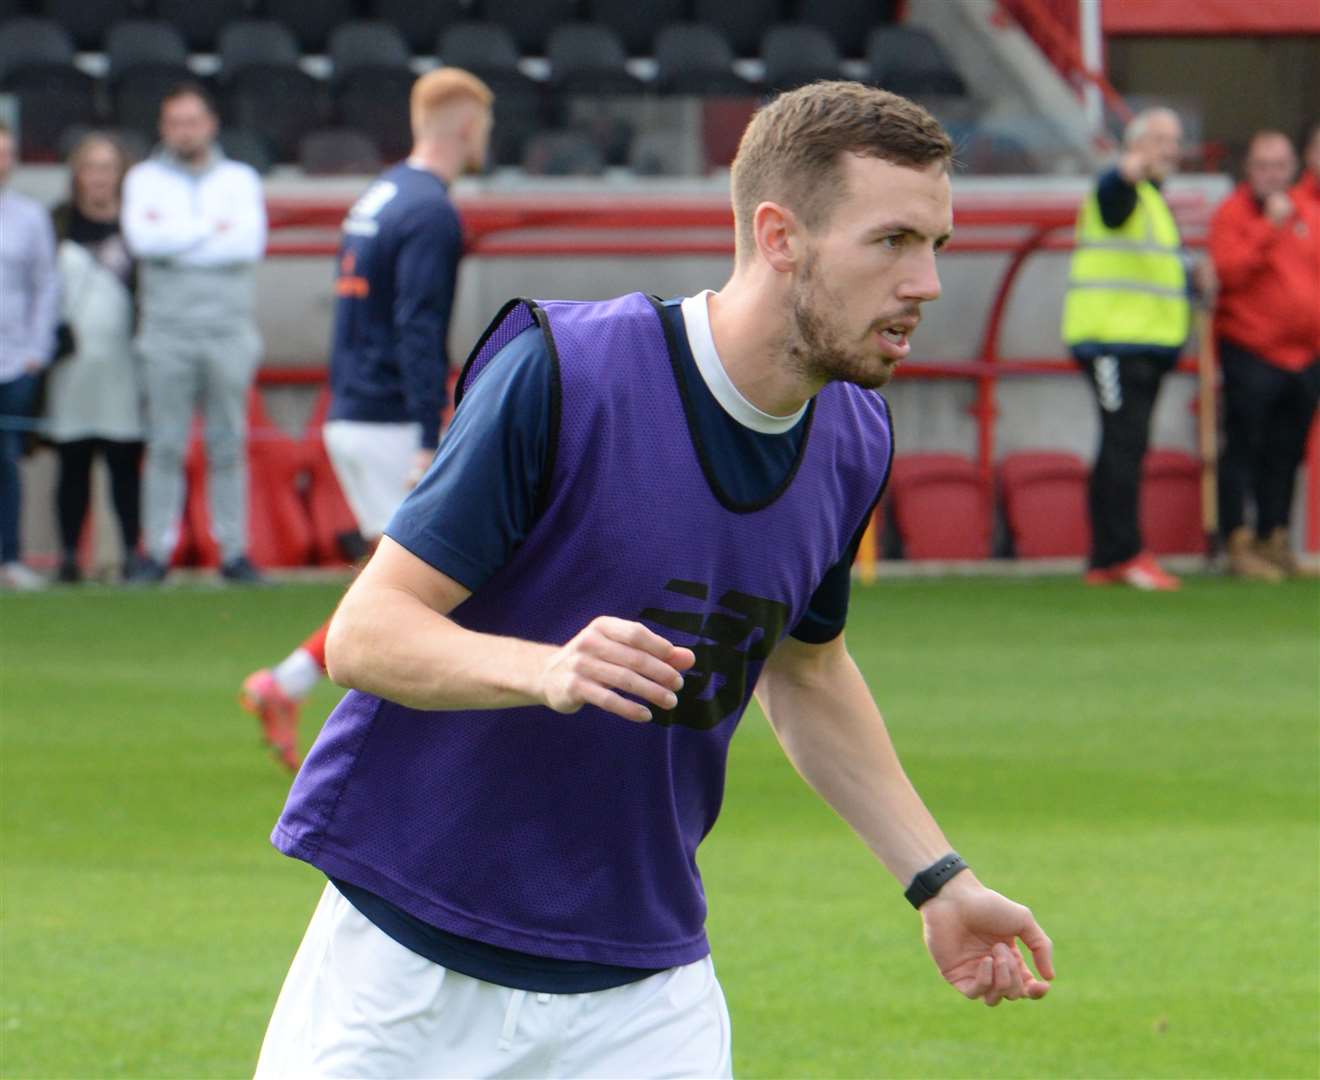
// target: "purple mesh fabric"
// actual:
[[576, 836], [507, 326]]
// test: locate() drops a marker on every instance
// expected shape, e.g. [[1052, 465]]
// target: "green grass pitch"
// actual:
[[1142, 770]]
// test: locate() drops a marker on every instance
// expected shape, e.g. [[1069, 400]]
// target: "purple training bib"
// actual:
[[576, 836]]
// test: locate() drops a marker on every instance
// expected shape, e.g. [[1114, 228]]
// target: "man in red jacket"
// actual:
[[1265, 242]]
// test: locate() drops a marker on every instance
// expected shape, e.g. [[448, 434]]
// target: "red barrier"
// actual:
[[586, 226]]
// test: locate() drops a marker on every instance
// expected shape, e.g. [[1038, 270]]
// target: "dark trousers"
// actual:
[[73, 489], [16, 398], [1267, 415], [1125, 391]]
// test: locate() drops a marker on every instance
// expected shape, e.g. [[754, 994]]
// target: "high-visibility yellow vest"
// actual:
[[1127, 286]]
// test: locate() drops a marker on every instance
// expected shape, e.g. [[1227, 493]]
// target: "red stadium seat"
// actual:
[[1171, 503], [330, 515], [1045, 503], [940, 507], [279, 527]]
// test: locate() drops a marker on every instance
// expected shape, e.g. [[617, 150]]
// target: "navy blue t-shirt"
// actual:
[[473, 508], [398, 263], [478, 501]]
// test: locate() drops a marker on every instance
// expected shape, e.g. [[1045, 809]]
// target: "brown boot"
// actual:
[[1244, 562], [1277, 549]]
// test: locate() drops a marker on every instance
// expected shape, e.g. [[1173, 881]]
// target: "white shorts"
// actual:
[[356, 1003], [372, 463]]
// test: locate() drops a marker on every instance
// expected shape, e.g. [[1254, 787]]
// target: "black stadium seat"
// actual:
[[279, 103], [530, 23], [375, 99], [200, 21], [485, 49], [135, 42], [521, 105], [136, 93], [88, 20], [795, 54], [692, 58], [637, 24], [338, 152], [742, 23], [588, 58], [421, 24], [367, 43], [562, 153], [310, 21], [248, 147], [25, 41], [848, 22], [255, 42], [907, 60], [52, 99]]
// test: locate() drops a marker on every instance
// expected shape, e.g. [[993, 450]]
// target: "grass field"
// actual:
[[1142, 770]]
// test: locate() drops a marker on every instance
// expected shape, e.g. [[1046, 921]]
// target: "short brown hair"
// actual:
[[190, 89], [438, 89], [791, 150]]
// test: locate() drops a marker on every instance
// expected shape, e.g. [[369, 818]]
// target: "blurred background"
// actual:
[[615, 125]]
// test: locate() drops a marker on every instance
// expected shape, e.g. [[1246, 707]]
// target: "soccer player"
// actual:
[[643, 512], [398, 263]]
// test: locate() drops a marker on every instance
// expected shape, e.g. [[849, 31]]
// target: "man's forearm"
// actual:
[[387, 642], [832, 731]]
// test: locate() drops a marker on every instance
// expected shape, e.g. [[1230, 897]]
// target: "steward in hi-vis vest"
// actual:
[[1127, 285], [1125, 319]]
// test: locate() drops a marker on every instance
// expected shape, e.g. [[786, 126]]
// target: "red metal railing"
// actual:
[[518, 227], [1055, 27]]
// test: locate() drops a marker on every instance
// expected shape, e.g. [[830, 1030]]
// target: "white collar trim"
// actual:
[[696, 320]]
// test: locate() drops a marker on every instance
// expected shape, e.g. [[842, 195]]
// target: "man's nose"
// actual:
[[922, 281]]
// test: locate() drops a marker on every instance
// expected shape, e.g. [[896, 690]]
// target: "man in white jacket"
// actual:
[[197, 223]]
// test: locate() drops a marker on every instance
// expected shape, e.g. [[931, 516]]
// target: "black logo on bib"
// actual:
[[744, 631]]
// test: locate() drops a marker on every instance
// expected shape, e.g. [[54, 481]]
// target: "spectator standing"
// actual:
[[196, 221], [1265, 241], [29, 301], [397, 268], [94, 394], [1125, 320]]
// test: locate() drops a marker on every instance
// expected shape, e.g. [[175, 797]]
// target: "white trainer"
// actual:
[[16, 576]]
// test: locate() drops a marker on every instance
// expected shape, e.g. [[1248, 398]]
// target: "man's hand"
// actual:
[[1133, 166], [1278, 207], [972, 933], [612, 655], [1206, 281]]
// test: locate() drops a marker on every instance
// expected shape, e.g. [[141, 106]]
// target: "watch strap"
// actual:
[[929, 882]]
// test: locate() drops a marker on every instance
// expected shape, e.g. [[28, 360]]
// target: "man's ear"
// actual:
[[778, 236]]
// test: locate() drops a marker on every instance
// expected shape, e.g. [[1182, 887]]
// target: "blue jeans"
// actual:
[[16, 398]]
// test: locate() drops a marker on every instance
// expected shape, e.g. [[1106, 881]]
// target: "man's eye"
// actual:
[[892, 242]]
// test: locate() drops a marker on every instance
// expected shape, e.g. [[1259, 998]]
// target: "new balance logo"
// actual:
[[745, 631]]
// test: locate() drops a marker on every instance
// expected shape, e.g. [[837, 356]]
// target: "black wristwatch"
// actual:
[[931, 880]]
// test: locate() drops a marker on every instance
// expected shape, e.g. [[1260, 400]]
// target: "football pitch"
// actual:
[[1142, 770]]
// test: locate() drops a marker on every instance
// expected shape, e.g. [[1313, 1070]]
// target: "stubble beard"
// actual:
[[816, 350]]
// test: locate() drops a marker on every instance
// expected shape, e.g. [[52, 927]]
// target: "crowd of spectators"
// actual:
[[130, 308]]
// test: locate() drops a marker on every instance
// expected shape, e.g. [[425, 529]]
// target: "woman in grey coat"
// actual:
[[94, 392]]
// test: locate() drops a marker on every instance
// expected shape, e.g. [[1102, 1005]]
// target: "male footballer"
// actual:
[[397, 272], [643, 512]]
